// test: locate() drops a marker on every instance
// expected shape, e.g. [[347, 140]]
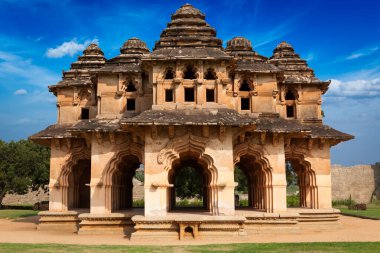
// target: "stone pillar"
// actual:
[[58, 158], [101, 154], [276, 158]]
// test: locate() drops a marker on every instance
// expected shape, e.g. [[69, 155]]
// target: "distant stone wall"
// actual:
[[359, 182], [30, 198]]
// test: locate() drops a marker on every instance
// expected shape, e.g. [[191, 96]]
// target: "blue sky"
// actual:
[[340, 39]]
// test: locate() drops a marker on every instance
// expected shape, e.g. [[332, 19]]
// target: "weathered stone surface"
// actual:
[[360, 182]]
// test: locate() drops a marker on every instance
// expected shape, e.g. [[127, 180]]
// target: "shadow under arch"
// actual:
[[259, 175], [189, 146], [118, 176], [78, 165], [308, 189]]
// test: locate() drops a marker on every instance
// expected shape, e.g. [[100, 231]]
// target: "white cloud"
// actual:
[[68, 48], [20, 92], [363, 52], [356, 88], [16, 70]]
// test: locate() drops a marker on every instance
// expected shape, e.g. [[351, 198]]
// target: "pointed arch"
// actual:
[[259, 174], [77, 154], [306, 177], [195, 146], [131, 150]]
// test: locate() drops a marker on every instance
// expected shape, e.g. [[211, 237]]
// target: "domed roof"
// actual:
[[283, 46], [93, 49], [134, 46], [285, 58], [239, 44], [186, 11], [188, 28]]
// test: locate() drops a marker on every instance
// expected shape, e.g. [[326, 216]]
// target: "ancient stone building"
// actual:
[[188, 102]]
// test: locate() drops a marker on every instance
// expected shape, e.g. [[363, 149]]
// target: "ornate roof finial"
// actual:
[[93, 49], [134, 46]]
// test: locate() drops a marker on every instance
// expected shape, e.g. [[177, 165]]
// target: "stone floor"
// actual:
[[352, 229]]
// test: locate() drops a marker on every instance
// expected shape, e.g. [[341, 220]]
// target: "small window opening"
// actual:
[[290, 111], [85, 113], [245, 86], [210, 74], [189, 231], [210, 95], [131, 87], [169, 74], [289, 95], [189, 95], [245, 104], [131, 104], [189, 73], [169, 95]]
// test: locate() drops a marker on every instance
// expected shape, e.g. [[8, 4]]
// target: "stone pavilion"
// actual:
[[188, 102]]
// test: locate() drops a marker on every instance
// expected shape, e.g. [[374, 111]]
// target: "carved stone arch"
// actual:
[[210, 74], [126, 149], [169, 73], [77, 154], [307, 178], [196, 146], [190, 67], [264, 191], [130, 81], [245, 83], [291, 90]]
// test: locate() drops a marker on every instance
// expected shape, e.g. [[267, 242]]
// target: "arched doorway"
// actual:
[[122, 182], [306, 182], [79, 185], [258, 182], [191, 184]]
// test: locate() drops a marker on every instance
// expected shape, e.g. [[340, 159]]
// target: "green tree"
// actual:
[[241, 179], [23, 165], [291, 175], [188, 183]]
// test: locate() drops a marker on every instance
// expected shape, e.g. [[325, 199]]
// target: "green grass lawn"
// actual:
[[373, 211], [16, 213], [343, 247]]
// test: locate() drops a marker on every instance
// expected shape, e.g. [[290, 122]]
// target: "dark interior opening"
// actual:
[[289, 95], [189, 73], [189, 95], [169, 95], [85, 113], [210, 74], [210, 95], [245, 86], [130, 87], [79, 189], [290, 111], [191, 185], [122, 183], [131, 104], [245, 104], [169, 74]]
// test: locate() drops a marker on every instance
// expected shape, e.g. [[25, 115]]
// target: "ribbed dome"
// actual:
[[93, 49], [188, 28], [134, 46], [92, 58], [188, 11], [286, 59], [239, 44]]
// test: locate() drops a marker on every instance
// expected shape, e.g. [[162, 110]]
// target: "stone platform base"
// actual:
[[181, 226], [194, 226], [59, 221], [113, 223]]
